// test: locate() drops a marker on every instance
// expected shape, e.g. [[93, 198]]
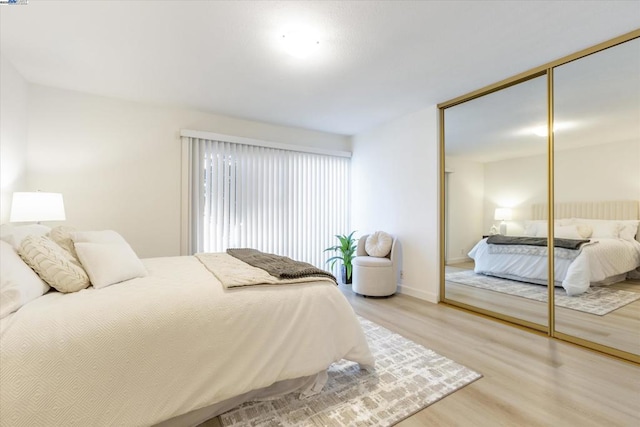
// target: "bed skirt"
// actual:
[[305, 385]]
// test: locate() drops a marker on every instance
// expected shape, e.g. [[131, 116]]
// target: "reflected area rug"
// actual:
[[408, 377], [598, 300]]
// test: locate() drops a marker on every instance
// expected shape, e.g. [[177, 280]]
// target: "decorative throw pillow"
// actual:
[[107, 257], [53, 264], [378, 244], [19, 284], [62, 236]]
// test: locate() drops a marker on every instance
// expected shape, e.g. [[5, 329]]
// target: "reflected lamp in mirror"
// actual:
[[36, 207], [503, 215]]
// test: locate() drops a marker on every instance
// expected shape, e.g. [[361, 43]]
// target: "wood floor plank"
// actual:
[[619, 329], [528, 378]]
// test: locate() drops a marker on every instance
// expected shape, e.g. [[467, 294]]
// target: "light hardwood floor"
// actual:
[[529, 379], [619, 329]]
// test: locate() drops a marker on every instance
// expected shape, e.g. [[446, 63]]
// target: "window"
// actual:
[[273, 198]]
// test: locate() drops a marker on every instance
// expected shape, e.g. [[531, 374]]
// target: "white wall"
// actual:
[[593, 173], [117, 163], [395, 189], [599, 172], [13, 135], [517, 184], [465, 205]]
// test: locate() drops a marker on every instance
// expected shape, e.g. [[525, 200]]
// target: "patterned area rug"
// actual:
[[598, 300], [408, 377]]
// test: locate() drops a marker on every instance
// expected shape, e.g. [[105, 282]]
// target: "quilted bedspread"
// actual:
[[152, 348]]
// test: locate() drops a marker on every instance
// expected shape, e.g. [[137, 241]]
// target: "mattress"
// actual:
[[154, 348]]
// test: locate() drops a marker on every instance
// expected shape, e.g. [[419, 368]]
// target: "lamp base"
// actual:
[[503, 228]]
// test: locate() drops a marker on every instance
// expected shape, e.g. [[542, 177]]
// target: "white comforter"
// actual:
[[596, 263], [152, 348]]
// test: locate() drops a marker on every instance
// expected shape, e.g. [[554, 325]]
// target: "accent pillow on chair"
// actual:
[[378, 244]]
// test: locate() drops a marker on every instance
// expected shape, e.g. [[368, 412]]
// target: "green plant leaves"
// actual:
[[346, 248]]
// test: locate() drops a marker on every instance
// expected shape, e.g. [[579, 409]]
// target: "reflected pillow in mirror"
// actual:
[[629, 229], [602, 228], [535, 227], [572, 232]]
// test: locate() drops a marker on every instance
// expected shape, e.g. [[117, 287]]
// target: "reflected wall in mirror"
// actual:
[[495, 171], [597, 166]]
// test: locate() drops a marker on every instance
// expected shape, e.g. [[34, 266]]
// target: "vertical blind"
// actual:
[[275, 200]]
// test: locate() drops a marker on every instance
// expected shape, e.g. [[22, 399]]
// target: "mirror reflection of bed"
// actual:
[[497, 155], [608, 314]]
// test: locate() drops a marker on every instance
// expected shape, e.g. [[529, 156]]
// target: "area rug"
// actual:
[[598, 300], [407, 378]]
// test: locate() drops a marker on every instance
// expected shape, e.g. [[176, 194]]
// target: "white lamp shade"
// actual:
[[502, 214], [37, 206]]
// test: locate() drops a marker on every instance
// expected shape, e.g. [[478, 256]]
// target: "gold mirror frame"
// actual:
[[546, 69]]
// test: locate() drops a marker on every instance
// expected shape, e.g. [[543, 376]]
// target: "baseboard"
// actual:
[[417, 293], [458, 260]]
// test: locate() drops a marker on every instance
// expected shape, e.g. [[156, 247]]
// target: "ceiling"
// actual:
[[596, 101], [376, 61]]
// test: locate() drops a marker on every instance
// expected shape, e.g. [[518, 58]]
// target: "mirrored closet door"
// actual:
[[551, 152], [597, 188], [496, 169]]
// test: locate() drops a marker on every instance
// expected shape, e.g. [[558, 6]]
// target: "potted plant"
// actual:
[[346, 250]]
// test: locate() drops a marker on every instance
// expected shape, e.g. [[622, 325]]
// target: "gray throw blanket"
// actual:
[[499, 239], [279, 266]]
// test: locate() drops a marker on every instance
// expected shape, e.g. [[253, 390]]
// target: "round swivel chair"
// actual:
[[374, 276]]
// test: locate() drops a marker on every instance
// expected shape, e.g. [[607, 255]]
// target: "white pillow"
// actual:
[[536, 227], [18, 283], [53, 264], [602, 228], [378, 244], [107, 257], [572, 231], [14, 235], [563, 221], [629, 229]]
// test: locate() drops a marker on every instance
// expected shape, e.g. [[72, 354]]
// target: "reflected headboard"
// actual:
[[626, 209], [622, 210]]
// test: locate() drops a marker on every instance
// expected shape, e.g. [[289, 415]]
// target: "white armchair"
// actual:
[[372, 275]]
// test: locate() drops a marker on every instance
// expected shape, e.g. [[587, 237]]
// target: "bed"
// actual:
[[610, 252], [172, 347]]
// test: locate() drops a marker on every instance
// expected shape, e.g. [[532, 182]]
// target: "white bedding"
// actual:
[[152, 348], [597, 263]]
